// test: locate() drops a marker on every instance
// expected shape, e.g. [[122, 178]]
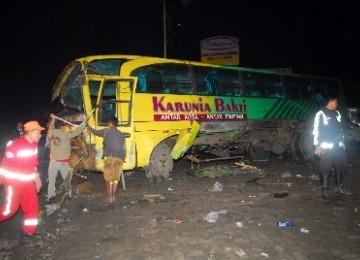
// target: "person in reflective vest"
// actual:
[[329, 146], [20, 178]]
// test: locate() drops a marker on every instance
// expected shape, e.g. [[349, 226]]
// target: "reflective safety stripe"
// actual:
[[17, 176], [316, 125], [9, 155], [8, 201], [31, 222], [325, 145], [338, 117], [318, 115], [26, 153]]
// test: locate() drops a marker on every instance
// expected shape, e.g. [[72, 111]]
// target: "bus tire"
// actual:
[[306, 146], [303, 147], [295, 147], [257, 153], [160, 164]]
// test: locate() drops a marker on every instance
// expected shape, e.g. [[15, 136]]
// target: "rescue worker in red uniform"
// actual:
[[20, 178]]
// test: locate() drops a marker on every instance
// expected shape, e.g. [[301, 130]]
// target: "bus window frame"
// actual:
[[116, 101]]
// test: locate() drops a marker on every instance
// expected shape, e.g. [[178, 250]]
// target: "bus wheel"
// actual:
[[295, 147], [160, 165], [306, 146], [258, 153]]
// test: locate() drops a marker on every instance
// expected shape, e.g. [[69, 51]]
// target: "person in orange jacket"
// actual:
[[20, 178]]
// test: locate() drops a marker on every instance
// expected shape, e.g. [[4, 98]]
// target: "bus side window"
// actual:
[[107, 106], [292, 87], [206, 80], [184, 87], [273, 86], [254, 93], [94, 87], [169, 88], [229, 83], [183, 83], [318, 97], [238, 92], [154, 81], [318, 94], [274, 93], [142, 84], [176, 79], [253, 85], [149, 80]]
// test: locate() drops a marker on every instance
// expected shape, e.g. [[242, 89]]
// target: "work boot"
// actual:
[[339, 184], [108, 192], [325, 186], [51, 200], [340, 190]]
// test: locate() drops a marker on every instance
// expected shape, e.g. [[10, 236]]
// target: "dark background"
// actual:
[[40, 37]]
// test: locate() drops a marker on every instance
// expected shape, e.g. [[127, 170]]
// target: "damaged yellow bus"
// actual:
[[167, 106]]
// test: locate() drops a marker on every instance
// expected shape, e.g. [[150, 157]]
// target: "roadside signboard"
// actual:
[[222, 50]]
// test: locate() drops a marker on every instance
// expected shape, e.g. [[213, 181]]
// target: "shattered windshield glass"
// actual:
[[105, 67], [73, 78], [72, 95]]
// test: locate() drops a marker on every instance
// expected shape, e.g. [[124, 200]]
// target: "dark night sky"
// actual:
[[40, 37]]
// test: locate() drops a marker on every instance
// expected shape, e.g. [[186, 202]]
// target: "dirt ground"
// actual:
[[192, 217]]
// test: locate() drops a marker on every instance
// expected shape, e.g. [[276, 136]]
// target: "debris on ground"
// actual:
[[281, 195], [51, 208], [84, 187], [177, 221], [285, 223], [6, 247], [152, 197], [265, 254], [239, 224], [304, 230], [213, 216], [246, 166], [286, 175], [223, 170], [240, 252], [315, 177], [257, 179], [217, 187]]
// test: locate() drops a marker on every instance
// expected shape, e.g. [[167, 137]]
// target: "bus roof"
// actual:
[[155, 60]]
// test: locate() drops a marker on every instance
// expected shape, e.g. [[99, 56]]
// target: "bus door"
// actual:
[[116, 99]]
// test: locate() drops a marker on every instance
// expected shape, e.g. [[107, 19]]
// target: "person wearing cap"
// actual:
[[20, 178], [60, 151], [114, 152]]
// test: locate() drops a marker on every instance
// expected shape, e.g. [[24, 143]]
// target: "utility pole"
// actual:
[[164, 28]]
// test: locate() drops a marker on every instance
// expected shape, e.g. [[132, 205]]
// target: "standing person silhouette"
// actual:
[[329, 146], [114, 152]]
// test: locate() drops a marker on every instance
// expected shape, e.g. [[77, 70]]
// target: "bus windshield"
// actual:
[[72, 96], [73, 78]]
